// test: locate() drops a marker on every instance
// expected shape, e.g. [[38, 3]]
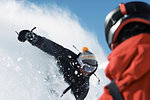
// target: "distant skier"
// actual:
[[76, 69], [127, 30]]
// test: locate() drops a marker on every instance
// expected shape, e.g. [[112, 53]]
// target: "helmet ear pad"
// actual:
[[132, 29], [129, 12], [130, 25]]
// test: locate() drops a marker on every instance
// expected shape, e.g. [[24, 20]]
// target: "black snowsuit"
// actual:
[[69, 67]]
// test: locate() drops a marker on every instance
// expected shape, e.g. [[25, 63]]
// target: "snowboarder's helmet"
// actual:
[[121, 16], [84, 49]]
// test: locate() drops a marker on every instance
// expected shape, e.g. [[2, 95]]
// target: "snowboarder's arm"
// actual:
[[44, 44]]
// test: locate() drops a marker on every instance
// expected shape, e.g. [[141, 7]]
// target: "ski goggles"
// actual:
[[88, 68]]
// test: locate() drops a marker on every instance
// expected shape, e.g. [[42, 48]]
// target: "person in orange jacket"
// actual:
[[127, 30]]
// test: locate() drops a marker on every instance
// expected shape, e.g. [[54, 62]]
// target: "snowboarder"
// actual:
[[76, 69], [127, 30]]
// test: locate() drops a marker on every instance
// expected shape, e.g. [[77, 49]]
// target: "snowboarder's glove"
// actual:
[[26, 35]]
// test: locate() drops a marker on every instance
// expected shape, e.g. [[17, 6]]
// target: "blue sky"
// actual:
[[91, 14]]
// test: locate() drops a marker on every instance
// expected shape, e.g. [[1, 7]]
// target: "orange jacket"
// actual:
[[129, 66]]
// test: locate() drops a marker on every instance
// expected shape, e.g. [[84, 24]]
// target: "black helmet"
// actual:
[[116, 20]]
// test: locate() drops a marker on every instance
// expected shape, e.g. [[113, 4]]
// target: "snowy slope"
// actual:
[[27, 73]]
